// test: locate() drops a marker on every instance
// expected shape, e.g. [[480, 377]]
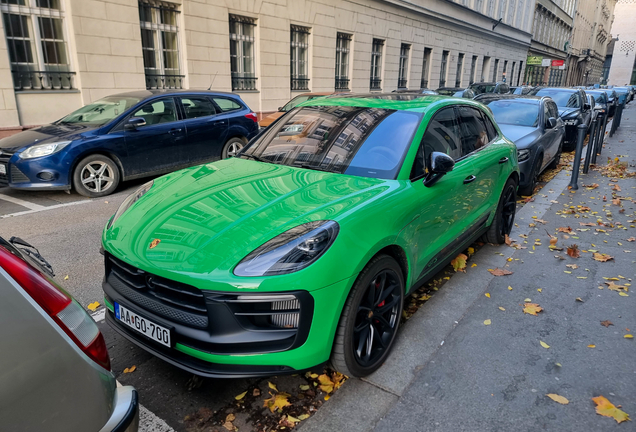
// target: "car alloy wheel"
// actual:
[[96, 176], [370, 319], [232, 147], [505, 217]]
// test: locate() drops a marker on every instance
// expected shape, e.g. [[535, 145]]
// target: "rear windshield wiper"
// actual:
[[32, 252]]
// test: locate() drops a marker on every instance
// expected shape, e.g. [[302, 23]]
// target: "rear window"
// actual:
[[515, 112], [366, 142], [562, 98], [480, 88], [226, 104]]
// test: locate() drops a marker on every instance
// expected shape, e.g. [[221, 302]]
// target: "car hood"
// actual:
[[44, 134], [522, 136], [567, 112], [208, 218]]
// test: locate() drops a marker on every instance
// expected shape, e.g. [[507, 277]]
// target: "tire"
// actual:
[[96, 176], [505, 216], [232, 147], [557, 159], [534, 178], [352, 354]]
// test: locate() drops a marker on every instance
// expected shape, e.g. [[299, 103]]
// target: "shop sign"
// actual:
[[534, 60], [558, 62], [546, 62]]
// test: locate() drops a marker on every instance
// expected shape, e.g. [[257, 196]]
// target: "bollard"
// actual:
[[619, 115], [580, 137], [598, 139], [590, 146], [613, 127], [599, 145]]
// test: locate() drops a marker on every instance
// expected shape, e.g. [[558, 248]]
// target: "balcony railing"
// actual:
[[375, 84], [342, 84], [402, 83], [300, 83], [424, 83], [43, 80], [243, 83], [161, 82]]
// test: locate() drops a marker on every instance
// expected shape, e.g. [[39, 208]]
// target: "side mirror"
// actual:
[[552, 122], [586, 107], [440, 164], [134, 122], [280, 108]]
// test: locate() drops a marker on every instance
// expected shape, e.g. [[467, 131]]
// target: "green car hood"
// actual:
[[209, 217]]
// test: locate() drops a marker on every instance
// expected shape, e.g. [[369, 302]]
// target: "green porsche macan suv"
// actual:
[[302, 248]]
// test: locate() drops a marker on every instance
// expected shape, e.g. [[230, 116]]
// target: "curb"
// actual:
[[361, 403]]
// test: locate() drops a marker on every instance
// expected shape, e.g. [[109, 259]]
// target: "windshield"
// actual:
[[515, 112], [366, 142], [297, 101], [100, 112], [599, 97], [481, 88], [562, 98]]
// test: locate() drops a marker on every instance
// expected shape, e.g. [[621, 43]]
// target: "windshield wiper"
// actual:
[[32, 252], [313, 167], [256, 158]]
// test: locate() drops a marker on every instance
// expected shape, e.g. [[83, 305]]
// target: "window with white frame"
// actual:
[[242, 59], [460, 68], [38, 52], [299, 51], [473, 67], [426, 63], [376, 64], [403, 67], [343, 44], [442, 69], [160, 44]]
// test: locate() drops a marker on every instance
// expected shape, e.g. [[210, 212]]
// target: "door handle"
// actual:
[[175, 131], [469, 179], [503, 160]]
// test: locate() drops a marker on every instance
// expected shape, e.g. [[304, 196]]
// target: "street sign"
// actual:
[[558, 62], [534, 60], [546, 62]]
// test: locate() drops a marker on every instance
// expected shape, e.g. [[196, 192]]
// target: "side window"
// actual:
[[490, 128], [474, 134], [552, 109], [197, 107], [546, 115], [442, 135], [159, 111], [227, 105]]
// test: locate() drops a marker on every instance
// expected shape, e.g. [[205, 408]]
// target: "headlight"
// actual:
[[129, 201], [43, 149], [290, 251], [523, 155]]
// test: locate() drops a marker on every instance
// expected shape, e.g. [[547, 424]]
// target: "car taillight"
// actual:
[[60, 306], [252, 116]]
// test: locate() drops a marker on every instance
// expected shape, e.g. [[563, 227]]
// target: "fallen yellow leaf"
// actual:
[[304, 387], [628, 336], [539, 289], [487, 295], [93, 306], [605, 408], [277, 401], [544, 345], [303, 417], [500, 308], [591, 346], [130, 369], [66, 277], [557, 398], [459, 263], [622, 294], [241, 396], [509, 288], [487, 322], [272, 386], [532, 308]]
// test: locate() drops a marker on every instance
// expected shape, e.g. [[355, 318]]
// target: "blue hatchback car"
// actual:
[[127, 136]]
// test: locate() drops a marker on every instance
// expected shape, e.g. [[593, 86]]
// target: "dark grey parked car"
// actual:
[[456, 92], [54, 366], [533, 124], [489, 87], [600, 99]]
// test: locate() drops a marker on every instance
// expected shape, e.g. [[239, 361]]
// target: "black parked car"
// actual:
[[489, 87], [127, 136], [573, 110], [521, 90], [456, 92], [612, 100], [533, 124], [600, 99]]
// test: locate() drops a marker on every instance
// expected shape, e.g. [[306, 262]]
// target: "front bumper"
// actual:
[[223, 341], [125, 416], [45, 173]]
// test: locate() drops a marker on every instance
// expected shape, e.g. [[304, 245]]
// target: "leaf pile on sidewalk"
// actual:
[[266, 407]]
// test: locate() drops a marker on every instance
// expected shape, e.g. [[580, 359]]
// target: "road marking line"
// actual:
[[22, 203], [43, 208]]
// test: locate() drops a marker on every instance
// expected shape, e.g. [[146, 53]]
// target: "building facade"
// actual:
[[622, 69], [551, 31], [58, 55], [589, 41]]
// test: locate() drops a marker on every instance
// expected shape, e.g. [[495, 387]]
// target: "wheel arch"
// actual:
[[101, 152]]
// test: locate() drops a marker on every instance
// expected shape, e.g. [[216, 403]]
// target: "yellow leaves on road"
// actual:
[[566, 230], [557, 398], [592, 186], [509, 288], [601, 257], [591, 346], [487, 295], [631, 239], [459, 263], [500, 272], [607, 409], [572, 266], [278, 401], [629, 336], [93, 306], [532, 308], [607, 323], [615, 287], [272, 386], [623, 294], [544, 345], [487, 322], [228, 422], [330, 383], [501, 308], [573, 251], [66, 277], [130, 369], [616, 201], [241, 396]]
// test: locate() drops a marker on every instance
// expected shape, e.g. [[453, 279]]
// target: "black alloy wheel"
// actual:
[[505, 217], [370, 318]]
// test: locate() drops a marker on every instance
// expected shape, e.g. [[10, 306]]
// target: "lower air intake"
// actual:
[[285, 320]]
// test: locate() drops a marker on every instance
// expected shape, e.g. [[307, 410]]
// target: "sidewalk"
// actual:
[[451, 372]]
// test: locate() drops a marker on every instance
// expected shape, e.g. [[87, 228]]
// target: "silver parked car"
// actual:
[[54, 368]]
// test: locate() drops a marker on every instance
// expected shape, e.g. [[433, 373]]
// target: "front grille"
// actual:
[[171, 299], [4, 160], [18, 176]]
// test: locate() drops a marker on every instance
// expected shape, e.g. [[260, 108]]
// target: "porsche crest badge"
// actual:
[[154, 243]]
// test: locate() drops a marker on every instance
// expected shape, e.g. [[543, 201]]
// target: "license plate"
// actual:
[[3, 169], [142, 325]]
